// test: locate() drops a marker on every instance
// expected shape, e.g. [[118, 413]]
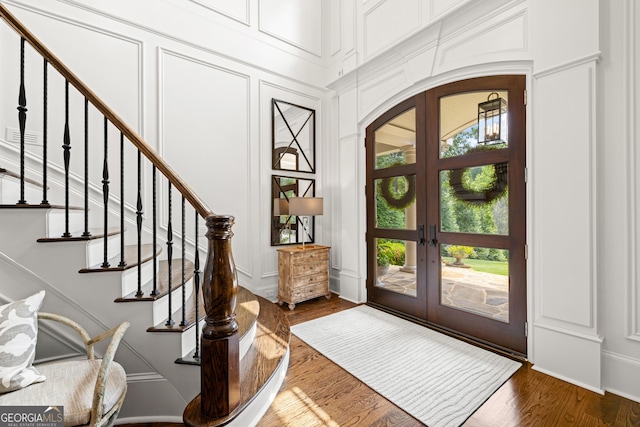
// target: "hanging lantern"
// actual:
[[492, 119]]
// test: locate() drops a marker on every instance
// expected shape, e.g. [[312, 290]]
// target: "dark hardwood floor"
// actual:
[[316, 392]]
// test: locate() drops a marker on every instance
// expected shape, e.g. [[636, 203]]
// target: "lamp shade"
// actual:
[[305, 206], [280, 207]]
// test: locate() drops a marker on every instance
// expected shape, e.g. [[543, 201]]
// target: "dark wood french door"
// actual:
[[446, 226]]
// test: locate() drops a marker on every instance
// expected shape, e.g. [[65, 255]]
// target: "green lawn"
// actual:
[[495, 267]]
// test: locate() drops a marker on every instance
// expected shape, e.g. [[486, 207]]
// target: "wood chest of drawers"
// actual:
[[303, 274]]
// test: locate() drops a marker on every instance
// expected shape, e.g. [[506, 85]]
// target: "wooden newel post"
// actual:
[[220, 358]]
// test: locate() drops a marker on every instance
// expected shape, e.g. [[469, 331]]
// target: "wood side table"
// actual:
[[303, 274]]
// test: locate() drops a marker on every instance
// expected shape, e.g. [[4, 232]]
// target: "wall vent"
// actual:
[[30, 137]]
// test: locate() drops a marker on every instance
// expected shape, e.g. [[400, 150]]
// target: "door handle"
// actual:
[[421, 234], [432, 235]]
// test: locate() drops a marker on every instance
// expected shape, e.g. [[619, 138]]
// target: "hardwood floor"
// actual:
[[316, 392]]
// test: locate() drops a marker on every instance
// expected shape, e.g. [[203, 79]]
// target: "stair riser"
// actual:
[[95, 250], [161, 306], [130, 277], [56, 219]]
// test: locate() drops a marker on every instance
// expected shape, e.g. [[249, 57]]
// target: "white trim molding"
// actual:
[[632, 95]]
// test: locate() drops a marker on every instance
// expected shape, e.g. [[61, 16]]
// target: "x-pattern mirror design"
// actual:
[[287, 229], [293, 135]]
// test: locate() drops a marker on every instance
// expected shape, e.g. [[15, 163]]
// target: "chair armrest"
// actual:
[[73, 325], [116, 335]]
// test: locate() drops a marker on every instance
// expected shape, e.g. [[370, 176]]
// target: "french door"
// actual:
[[446, 209]]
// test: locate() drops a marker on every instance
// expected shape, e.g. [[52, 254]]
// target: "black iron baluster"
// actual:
[[196, 279], [22, 119], [155, 233], [122, 263], [184, 292], [66, 145], [139, 223], [105, 191], [86, 233], [170, 321], [45, 113]]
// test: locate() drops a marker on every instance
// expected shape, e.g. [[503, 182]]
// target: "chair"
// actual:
[[90, 390]]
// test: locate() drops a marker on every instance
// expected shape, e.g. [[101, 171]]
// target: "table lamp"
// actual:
[[305, 207]]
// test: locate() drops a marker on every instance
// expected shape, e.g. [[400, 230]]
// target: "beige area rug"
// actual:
[[437, 379]]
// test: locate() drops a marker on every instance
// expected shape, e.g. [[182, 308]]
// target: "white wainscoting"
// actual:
[[566, 335]]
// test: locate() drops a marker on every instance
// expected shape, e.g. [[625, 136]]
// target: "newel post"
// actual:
[[220, 358]]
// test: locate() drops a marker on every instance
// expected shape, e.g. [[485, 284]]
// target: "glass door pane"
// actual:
[[470, 283]]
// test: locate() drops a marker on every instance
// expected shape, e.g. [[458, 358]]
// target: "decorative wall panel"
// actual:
[[204, 135], [563, 164], [482, 42], [388, 22], [234, 9], [298, 23]]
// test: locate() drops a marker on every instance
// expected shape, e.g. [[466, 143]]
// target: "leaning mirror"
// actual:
[[288, 229], [293, 135]]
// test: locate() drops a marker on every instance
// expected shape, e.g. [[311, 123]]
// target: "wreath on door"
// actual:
[[466, 189], [395, 196]]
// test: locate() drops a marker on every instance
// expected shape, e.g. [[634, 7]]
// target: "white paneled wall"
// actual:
[[583, 292], [197, 78]]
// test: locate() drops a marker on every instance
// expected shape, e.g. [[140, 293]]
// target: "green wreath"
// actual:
[[496, 188], [405, 199]]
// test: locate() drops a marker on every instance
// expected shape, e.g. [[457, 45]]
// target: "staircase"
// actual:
[[102, 259]]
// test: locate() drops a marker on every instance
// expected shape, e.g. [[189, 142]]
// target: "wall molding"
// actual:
[[578, 78], [182, 41], [264, 30], [563, 330], [630, 31], [621, 371], [574, 63], [97, 30], [247, 269], [493, 22], [244, 21]]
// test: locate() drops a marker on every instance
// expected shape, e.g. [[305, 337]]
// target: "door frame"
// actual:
[[427, 102]]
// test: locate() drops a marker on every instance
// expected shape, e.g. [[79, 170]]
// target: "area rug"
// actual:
[[437, 379]]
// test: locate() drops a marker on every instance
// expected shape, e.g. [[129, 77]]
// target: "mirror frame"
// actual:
[[282, 223], [305, 157]]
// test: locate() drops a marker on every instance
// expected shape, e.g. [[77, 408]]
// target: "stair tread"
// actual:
[[95, 233], [163, 281], [246, 312], [268, 351], [130, 259]]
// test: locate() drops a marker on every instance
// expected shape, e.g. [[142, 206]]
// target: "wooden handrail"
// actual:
[[100, 105]]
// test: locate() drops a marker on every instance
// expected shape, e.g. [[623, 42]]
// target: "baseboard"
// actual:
[[572, 357], [620, 375]]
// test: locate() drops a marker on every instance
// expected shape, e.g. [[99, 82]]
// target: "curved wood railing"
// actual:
[[219, 356]]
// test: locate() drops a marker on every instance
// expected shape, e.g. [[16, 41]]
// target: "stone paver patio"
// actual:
[[463, 288]]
